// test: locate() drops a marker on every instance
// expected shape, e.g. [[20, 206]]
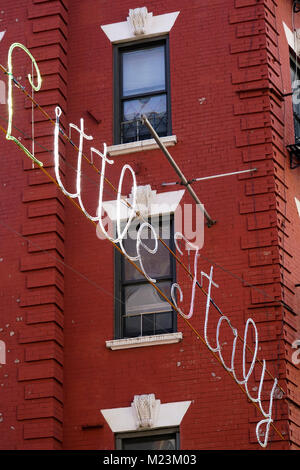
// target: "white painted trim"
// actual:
[[298, 205], [161, 203], [293, 38], [140, 145], [122, 32], [2, 34], [123, 419], [289, 36], [153, 340]]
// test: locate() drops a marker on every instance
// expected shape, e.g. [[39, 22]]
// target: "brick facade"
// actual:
[[231, 110]]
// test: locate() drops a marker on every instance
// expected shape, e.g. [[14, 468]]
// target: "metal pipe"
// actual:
[[224, 174], [211, 177], [185, 182]]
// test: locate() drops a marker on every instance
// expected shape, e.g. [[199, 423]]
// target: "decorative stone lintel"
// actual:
[[140, 145], [297, 201], [153, 340], [293, 38], [166, 415], [152, 26], [165, 203]]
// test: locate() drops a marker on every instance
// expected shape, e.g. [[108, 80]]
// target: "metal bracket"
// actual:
[[183, 179]]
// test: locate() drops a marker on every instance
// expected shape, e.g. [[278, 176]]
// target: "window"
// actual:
[[139, 309], [141, 87], [295, 78], [294, 147], [162, 439]]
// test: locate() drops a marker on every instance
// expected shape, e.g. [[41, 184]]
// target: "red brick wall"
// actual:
[[34, 209], [229, 70], [287, 188]]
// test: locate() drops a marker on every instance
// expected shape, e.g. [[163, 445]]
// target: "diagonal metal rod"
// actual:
[[185, 182]]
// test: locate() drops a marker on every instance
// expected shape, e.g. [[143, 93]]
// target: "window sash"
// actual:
[[121, 283], [159, 85], [119, 99], [295, 82], [148, 324], [144, 298], [164, 433]]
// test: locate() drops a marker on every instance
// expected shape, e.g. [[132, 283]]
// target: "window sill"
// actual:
[[140, 145], [154, 340]]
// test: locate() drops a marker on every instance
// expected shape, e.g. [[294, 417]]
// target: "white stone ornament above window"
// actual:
[[145, 410], [140, 23], [293, 38], [157, 415], [149, 203], [297, 201], [139, 20], [145, 197]]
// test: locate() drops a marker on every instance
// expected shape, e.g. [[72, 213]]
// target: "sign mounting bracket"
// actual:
[[183, 179]]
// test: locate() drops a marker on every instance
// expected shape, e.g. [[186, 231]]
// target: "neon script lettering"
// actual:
[[218, 348], [9, 136], [121, 233]]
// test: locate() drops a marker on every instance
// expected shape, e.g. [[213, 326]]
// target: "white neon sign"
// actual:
[[37, 87], [217, 349]]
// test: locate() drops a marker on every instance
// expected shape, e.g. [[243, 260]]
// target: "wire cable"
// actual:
[[186, 269], [116, 247]]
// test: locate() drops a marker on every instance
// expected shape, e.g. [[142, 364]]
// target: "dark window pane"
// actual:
[[150, 443], [143, 71], [132, 326], [154, 107], [145, 298], [157, 264], [148, 324], [295, 79], [145, 311], [148, 327], [163, 323]]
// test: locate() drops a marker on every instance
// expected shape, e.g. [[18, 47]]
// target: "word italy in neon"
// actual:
[[267, 415]]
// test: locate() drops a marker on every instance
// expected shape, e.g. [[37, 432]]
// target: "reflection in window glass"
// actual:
[[154, 108], [145, 311], [295, 79], [156, 105], [150, 443], [143, 89], [143, 71], [145, 299], [156, 265]]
